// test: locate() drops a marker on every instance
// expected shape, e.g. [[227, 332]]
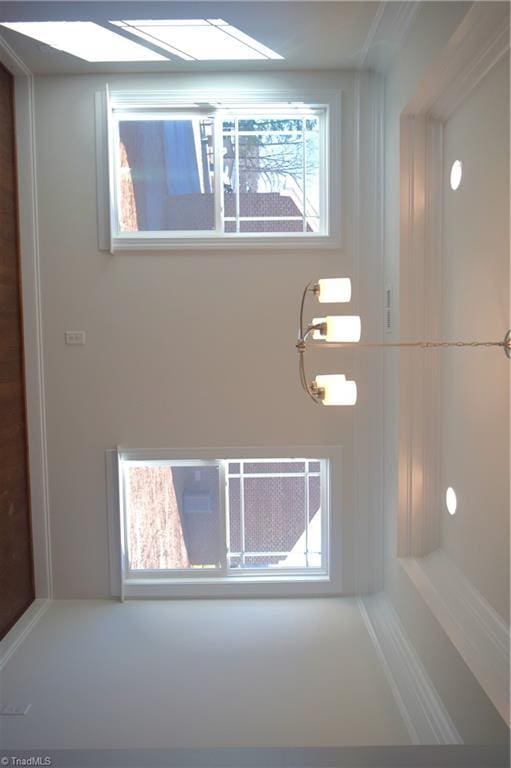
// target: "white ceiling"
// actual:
[[310, 35]]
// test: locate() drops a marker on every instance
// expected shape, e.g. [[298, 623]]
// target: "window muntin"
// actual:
[[251, 518], [219, 173]]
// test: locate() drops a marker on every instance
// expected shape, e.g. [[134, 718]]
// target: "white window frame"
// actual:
[[187, 583], [143, 102]]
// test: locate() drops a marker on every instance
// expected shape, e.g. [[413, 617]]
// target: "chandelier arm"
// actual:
[[311, 329], [303, 375], [305, 342], [307, 288]]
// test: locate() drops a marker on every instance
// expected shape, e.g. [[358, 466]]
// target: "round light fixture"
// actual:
[[456, 174], [451, 501]]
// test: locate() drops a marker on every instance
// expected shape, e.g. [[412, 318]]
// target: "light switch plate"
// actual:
[[75, 337], [11, 710]]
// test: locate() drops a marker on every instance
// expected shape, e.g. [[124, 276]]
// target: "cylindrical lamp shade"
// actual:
[[345, 328], [334, 289], [337, 390]]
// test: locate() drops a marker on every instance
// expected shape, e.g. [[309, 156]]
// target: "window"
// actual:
[[188, 39], [236, 517], [85, 40], [198, 39], [213, 173], [233, 521]]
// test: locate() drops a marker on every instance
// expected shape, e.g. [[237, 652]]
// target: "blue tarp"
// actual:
[[180, 158], [163, 162]]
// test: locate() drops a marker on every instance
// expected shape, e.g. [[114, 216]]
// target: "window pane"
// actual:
[[173, 517], [312, 189], [166, 175], [314, 495], [270, 170], [269, 507], [274, 513], [269, 164]]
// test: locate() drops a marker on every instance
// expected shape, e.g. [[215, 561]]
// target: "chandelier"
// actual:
[[344, 331]]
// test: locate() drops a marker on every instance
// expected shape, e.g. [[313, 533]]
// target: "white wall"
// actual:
[[254, 673], [471, 710], [183, 349], [475, 301]]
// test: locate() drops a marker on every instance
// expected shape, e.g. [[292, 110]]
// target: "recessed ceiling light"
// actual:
[[198, 39], [456, 174], [451, 500], [85, 40]]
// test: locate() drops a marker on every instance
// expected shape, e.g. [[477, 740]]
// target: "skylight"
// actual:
[[85, 40], [199, 39]]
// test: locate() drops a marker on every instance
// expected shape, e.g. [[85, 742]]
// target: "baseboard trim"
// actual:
[[15, 636]]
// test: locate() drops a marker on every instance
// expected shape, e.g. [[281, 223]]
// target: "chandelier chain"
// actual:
[[417, 344]]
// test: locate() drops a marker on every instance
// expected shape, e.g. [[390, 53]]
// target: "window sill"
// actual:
[[271, 579], [231, 587], [224, 242]]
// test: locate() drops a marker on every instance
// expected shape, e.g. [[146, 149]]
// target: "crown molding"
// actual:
[[476, 630], [475, 48], [423, 712], [363, 54], [386, 35], [11, 61]]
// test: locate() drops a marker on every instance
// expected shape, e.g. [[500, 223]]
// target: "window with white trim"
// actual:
[[218, 172], [224, 520]]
